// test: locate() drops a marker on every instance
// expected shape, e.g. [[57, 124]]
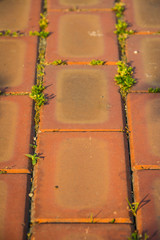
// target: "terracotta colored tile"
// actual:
[[81, 174], [89, 4], [143, 15], [85, 98], [81, 231], [20, 15], [144, 124], [143, 53], [17, 63], [147, 192], [15, 122], [14, 206], [82, 36]]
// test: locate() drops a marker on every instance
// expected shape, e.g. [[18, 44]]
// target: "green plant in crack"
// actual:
[[43, 23], [136, 236], [133, 207], [33, 158], [9, 33], [97, 62], [154, 90], [3, 172], [59, 62], [37, 95], [124, 78], [42, 34], [119, 8]]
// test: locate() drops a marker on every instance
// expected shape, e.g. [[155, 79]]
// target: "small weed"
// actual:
[[97, 62], [43, 23], [9, 33], [133, 207], [91, 218], [3, 172], [121, 29], [124, 78], [33, 157], [33, 146], [59, 62], [154, 90], [119, 9], [113, 220], [42, 34], [135, 236], [37, 95]]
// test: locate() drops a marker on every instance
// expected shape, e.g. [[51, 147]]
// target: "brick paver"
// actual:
[[14, 206], [143, 50], [82, 97], [81, 36], [148, 194]]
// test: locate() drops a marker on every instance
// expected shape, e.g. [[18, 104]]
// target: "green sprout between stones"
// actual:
[[136, 236], [33, 158], [42, 34], [59, 62], [133, 207], [3, 172], [9, 33], [97, 62], [43, 23], [119, 9], [154, 90], [37, 95], [124, 78]]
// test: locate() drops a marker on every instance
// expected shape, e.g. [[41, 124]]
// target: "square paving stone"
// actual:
[[16, 132], [81, 231], [81, 37], [17, 63], [144, 124], [144, 53], [20, 15], [81, 174], [85, 4], [147, 192], [143, 15], [13, 206], [84, 97]]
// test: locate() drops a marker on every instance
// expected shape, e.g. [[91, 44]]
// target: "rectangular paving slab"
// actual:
[[81, 36], [81, 231], [14, 206], [84, 4], [16, 132], [17, 63], [144, 124], [19, 15], [147, 192], [84, 97], [143, 15], [143, 51], [81, 175]]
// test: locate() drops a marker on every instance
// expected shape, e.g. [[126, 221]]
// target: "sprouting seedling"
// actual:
[[33, 157], [43, 23], [133, 207], [43, 34], [3, 172], [154, 90], [91, 218], [119, 8], [37, 95], [59, 62], [135, 236], [113, 220], [97, 62]]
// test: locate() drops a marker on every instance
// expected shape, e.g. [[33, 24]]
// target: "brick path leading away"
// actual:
[[97, 151]]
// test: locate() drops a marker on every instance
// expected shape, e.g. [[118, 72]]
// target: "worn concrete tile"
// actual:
[[147, 192], [144, 54], [81, 36], [16, 132], [143, 15], [81, 231], [14, 205], [84, 97], [89, 4], [144, 124], [19, 15], [76, 175], [17, 63]]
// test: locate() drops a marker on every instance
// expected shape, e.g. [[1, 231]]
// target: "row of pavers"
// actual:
[[62, 121]]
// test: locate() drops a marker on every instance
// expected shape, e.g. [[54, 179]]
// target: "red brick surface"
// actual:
[[27, 15], [81, 174], [147, 192], [143, 54], [144, 124], [83, 42], [143, 15], [92, 4], [15, 144], [13, 206], [17, 71], [85, 97], [81, 231]]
